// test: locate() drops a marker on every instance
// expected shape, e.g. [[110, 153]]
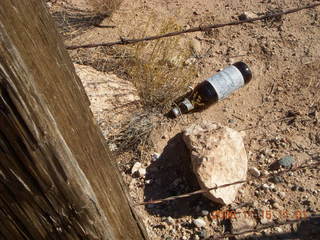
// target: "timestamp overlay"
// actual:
[[268, 214]]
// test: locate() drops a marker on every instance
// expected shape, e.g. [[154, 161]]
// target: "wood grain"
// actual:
[[57, 178]]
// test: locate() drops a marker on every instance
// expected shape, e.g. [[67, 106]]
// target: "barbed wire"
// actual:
[[264, 227], [124, 41], [223, 186]]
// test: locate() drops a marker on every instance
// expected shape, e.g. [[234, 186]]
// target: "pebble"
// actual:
[[247, 15], [254, 172], [286, 161], [278, 229], [155, 156], [196, 237], [282, 195], [265, 186], [276, 205], [170, 220], [142, 172], [264, 173], [195, 46], [135, 167], [272, 187], [204, 212], [199, 222]]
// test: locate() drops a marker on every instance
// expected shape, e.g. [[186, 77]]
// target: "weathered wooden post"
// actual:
[[57, 180]]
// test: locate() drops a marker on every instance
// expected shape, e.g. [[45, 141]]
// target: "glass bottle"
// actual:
[[215, 88]]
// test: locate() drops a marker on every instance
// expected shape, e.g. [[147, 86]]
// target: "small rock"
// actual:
[[301, 189], [113, 147], [170, 220], [132, 184], [135, 167], [254, 172], [286, 162], [278, 229], [199, 222], [282, 195], [186, 27], [265, 186], [196, 237], [276, 205], [142, 172], [204, 212], [264, 173], [195, 47], [247, 15], [272, 186], [155, 156]]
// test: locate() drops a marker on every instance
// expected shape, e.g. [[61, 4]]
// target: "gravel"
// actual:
[[254, 172], [199, 222]]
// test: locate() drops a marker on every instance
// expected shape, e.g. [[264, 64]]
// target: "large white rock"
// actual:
[[113, 100], [218, 157]]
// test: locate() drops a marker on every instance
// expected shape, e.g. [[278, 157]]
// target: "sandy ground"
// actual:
[[279, 111]]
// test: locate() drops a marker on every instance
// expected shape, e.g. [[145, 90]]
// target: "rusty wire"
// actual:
[[264, 226], [124, 41], [223, 186]]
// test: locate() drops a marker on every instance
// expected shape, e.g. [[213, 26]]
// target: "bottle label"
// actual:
[[188, 105], [226, 81]]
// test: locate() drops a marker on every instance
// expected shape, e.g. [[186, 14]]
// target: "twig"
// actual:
[[195, 29], [221, 186]]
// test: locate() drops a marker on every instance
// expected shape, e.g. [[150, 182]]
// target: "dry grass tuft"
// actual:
[[159, 69]]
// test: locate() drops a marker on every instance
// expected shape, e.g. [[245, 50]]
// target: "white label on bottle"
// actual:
[[226, 81]]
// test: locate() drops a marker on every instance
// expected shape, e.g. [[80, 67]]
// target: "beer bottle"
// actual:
[[215, 88]]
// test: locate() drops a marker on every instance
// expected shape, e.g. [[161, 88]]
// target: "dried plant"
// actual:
[[160, 69]]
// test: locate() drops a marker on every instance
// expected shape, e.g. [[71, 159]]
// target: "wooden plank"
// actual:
[[57, 178]]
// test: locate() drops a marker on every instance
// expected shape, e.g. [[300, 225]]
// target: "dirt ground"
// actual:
[[279, 111]]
